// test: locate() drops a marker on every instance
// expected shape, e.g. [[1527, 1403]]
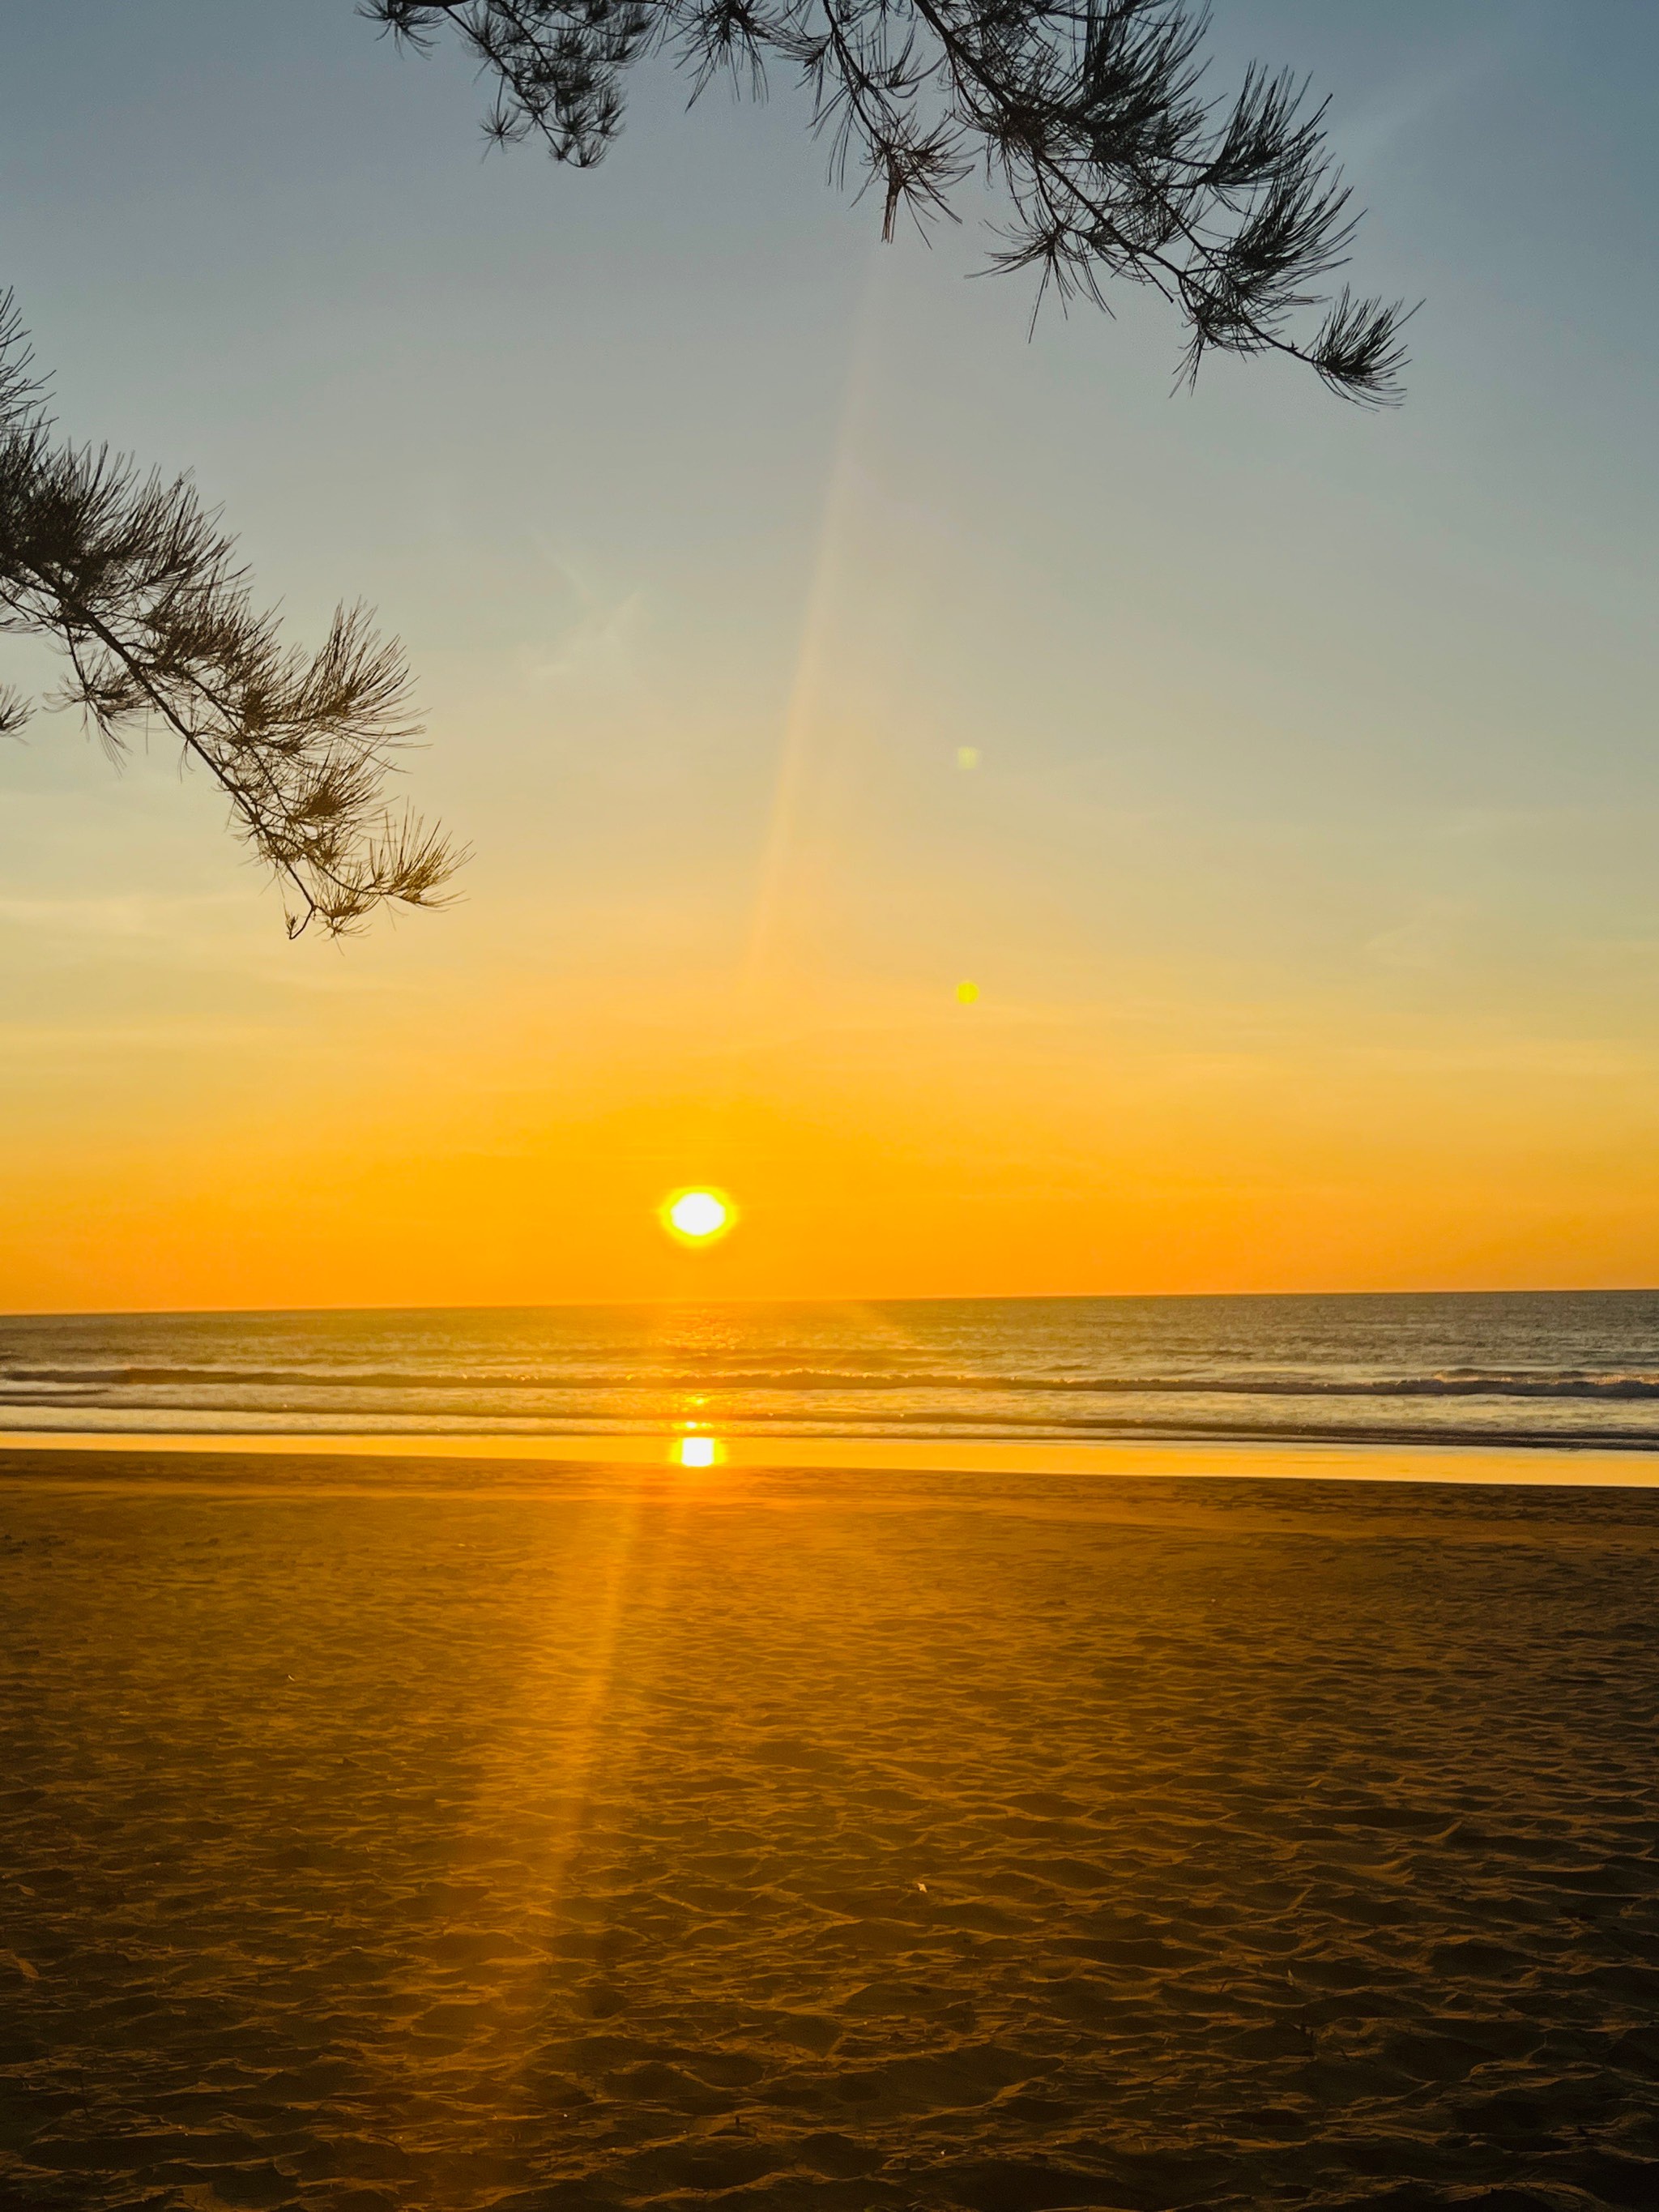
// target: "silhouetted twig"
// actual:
[[1092, 117], [140, 588]]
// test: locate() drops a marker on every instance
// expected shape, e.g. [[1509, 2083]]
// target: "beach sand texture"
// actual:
[[457, 1838]]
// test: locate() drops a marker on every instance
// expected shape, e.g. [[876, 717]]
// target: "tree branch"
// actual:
[[140, 588], [1091, 116]]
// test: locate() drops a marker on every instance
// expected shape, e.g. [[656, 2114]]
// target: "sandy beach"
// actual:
[[447, 1835]]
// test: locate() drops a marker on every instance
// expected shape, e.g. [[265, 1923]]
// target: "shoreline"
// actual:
[[681, 1454]]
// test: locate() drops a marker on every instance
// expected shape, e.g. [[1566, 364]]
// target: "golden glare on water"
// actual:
[[698, 1216]]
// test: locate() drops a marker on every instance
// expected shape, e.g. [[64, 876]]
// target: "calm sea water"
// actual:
[[1550, 1368]]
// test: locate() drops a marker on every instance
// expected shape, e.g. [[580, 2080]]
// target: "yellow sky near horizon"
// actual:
[[888, 1146], [800, 640]]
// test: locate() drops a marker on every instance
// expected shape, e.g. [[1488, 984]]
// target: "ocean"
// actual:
[[1572, 1369]]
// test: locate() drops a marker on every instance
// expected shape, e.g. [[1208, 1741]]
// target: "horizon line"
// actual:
[[924, 1299]]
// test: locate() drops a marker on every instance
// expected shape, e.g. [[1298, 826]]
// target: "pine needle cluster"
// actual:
[[143, 590], [1092, 117]]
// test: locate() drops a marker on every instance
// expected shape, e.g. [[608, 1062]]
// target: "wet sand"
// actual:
[[447, 1835]]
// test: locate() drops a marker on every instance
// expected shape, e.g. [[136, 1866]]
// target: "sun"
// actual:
[[697, 1216]]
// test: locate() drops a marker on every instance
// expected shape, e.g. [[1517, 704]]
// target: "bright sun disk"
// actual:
[[696, 1216]]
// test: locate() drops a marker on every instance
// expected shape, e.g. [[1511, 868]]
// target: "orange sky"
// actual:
[[899, 1144], [1304, 864]]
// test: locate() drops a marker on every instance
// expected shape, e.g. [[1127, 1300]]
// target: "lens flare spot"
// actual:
[[698, 1216]]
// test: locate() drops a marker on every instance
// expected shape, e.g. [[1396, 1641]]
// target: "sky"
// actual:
[[1306, 867]]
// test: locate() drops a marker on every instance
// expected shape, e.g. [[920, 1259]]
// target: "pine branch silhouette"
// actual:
[[1093, 119], [142, 589]]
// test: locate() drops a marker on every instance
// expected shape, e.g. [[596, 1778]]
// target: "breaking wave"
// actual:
[[1548, 1368]]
